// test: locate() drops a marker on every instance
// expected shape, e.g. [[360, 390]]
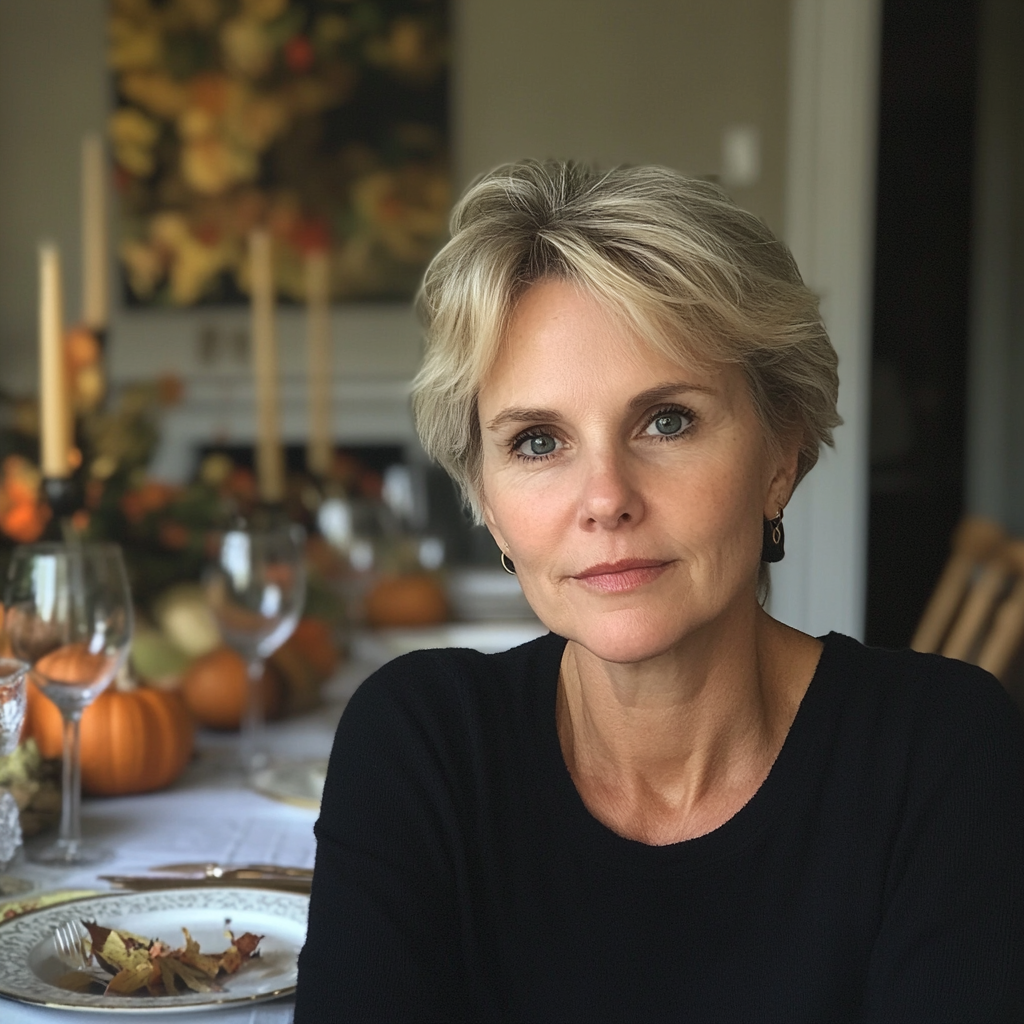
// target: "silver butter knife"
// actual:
[[248, 880], [211, 869]]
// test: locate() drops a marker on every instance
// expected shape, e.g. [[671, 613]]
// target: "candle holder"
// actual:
[[264, 515], [64, 497]]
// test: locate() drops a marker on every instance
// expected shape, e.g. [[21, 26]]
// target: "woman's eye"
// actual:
[[668, 423], [539, 444]]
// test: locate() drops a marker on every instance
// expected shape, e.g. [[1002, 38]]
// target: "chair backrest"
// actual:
[[976, 612]]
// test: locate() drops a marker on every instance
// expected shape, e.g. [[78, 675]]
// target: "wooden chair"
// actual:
[[976, 612]]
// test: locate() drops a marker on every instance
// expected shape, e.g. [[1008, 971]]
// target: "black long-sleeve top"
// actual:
[[877, 874]]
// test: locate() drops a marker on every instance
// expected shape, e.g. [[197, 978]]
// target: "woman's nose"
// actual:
[[610, 496]]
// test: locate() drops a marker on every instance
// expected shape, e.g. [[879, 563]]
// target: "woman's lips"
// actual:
[[615, 577]]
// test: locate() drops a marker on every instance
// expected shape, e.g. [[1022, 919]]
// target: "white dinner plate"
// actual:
[[29, 966]]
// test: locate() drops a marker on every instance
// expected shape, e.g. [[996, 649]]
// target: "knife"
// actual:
[[251, 880], [210, 869]]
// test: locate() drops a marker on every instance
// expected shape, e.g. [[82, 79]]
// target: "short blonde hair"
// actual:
[[673, 257]]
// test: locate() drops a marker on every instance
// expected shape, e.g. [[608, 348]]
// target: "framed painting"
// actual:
[[324, 121]]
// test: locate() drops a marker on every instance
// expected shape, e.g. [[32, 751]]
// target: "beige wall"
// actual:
[[613, 81], [52, 92], [604, 80]]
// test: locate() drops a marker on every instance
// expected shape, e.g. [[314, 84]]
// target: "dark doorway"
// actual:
[[922, 268]]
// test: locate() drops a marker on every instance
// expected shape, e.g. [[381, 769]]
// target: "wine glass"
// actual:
[[13, 702], [256, 589], [69, 616]]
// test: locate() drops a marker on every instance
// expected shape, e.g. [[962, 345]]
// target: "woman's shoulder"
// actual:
[[903, 668], [917, 693], [446, 717], [441, 681]]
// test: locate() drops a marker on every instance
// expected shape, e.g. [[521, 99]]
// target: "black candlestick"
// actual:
[[64, 498], [266, 515]]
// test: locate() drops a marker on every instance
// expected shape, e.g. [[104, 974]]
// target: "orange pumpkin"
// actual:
[[313, 643], [215, 686], [132, 740], [74, 665], [417, 600]]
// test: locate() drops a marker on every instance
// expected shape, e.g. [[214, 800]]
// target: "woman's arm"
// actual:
[[384, 939], [951, 946]]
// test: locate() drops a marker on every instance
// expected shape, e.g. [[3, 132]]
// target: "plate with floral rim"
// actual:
[[29, 967]]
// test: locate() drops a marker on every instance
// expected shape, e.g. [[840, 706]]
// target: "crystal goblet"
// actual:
[[256, 589], [13, 703], [69, 616]]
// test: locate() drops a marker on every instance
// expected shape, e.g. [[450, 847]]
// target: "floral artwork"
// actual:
[[324, 121]]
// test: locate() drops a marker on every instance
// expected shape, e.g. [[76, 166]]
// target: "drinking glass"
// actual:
[[256, 588], [13, 702], [69, 616]]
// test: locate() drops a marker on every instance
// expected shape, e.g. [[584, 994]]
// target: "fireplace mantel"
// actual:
[[219, 408]]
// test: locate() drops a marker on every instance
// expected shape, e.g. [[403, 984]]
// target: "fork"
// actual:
[[71, 942]]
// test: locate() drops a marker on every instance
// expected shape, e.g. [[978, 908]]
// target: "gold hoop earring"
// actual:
[[507, 565]]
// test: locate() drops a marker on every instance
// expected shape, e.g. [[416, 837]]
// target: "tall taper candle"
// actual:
[[269, 456], [54, 418], [95, 308], [318, 340]]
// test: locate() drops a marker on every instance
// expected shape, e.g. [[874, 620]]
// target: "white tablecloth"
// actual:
[[208, 815]]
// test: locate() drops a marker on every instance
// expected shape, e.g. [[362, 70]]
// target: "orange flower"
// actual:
[[155, 495], [242, 484], [19, 492], [25, 522], [173, 535], [20, 481], [150, 497]]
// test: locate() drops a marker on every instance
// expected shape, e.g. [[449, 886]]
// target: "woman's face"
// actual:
[[628, 489]]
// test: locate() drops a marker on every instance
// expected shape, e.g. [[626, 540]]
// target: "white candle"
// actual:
[[269, 456], [54, 418], [318, 337], [95, 310]]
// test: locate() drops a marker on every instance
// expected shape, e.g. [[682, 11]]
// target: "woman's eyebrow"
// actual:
[[662, 392], [513, 415], [651, 396]]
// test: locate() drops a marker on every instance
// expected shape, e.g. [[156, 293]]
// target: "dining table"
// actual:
[[214, 815], [210, 815]]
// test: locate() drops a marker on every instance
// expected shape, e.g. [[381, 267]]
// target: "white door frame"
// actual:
[[830, 203]]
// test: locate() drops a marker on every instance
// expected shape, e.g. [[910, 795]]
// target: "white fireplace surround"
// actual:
[[220, 409], [376, 350]]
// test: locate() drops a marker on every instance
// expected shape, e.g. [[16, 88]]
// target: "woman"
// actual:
[[671, 807]]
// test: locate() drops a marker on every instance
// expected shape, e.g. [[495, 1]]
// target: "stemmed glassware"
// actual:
[[13, 702], [69, 616], [256, 588]]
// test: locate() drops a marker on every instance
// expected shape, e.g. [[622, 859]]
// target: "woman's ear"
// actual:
[[783, 481]]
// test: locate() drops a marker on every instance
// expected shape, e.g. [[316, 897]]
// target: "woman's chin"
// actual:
[[623, 638]]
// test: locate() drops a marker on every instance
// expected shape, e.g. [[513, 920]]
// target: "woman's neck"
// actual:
[[671, 748]]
